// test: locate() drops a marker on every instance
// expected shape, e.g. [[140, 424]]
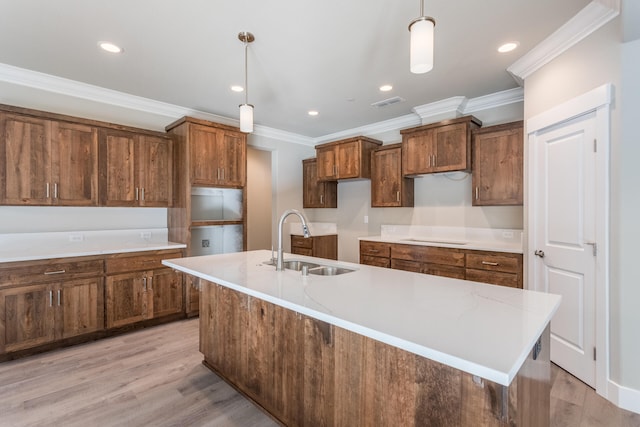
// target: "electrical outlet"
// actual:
[[507, 234], [205, 243], [76, 237], [366, 219], [146, 235]]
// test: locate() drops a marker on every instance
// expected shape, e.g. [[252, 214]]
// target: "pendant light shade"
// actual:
[[422, 38], [246, 118], [246, 109]]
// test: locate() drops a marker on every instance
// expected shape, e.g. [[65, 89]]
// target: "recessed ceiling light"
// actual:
[[110, 47], [237, 88], [313, 113], [385, 88], [508, 47]]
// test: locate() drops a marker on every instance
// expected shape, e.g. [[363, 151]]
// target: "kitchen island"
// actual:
[[374, 346]]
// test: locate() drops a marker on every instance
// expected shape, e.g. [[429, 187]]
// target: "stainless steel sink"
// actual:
[[297, 265], [326, 270], [313, 268]]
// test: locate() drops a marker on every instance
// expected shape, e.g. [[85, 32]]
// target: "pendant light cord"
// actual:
[[246, 72]]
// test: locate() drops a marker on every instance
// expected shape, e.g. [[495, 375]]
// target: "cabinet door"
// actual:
[[126, 299], [316, 194], [451, 148], [27, 316], [203, 142], [386, 178], [74, 164], [166, 286], [154, 163], [348, 164], [82, 304], [417, 153], [232, 159], [327, 163], [498, 166], [118, 169], [25, 160]]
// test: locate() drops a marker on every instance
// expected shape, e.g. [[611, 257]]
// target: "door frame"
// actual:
[[596, 101]]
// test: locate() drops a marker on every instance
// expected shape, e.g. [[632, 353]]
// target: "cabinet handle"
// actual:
[[435, 160], [495, 264], [59, 297], [150, 283], [222, 170], [144, 283], [142, 194], [47, 187], [136, 194], [321, 199], [374, 251], [429, 160], [55, 272], [397, 196], [50, 298], [476, 193], [55, 190]]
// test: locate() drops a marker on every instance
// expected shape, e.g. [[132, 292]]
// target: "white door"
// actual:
[[563, 201]]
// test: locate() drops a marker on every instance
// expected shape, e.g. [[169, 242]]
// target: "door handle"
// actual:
[[539, 253]]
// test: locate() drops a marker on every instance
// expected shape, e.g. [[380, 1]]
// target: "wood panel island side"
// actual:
[[374, 346]]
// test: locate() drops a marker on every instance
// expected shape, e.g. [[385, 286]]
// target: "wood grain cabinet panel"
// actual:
[[345, 159], [389, 188], [218, 156], [317, 246], [497, 172], [166, 287], [135, 169], [44, 162], [317, 194], [127, 299], [498, 268], [375, 253], [438, 147]]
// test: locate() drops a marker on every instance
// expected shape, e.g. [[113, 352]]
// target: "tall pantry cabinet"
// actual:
[[210, 203]]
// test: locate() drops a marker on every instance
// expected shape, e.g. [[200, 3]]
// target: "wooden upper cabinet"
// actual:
[[218, 156], [46, 162], [388, 187], [438, 147], [497, 173], [345, 159], [135, 169], [317, 194]]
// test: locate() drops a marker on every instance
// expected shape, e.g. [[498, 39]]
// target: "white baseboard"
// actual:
[[624, 397]]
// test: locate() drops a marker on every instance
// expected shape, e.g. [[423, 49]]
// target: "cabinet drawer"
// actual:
[[400, 264], [444, 271], [141, 261], [375, 261], [28, 272], [494, 277], [428, 254], [296, 250], [375, 249], [301, 242], [494, 261]]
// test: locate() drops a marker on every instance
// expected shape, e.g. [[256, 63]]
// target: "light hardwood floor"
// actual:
[[154, 377]]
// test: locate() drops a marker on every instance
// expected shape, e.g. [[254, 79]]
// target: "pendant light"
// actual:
[[422, 32], [246, 109]]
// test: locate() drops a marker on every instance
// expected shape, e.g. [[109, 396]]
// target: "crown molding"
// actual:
[[454, 105], [494, 100], [390, 125], [588, 20], [282, 135]]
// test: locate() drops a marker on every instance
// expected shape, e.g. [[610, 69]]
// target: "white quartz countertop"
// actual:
[[482, 329], [478, 239], [36, 246]]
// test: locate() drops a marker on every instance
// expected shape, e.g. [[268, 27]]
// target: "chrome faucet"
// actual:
[[305, 232]]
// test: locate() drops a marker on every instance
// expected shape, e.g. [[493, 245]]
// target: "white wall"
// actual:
[[440, 200], [591, 63]]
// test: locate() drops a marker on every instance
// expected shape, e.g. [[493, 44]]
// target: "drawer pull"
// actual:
[[374, 251], [495, 264], [55, 272]]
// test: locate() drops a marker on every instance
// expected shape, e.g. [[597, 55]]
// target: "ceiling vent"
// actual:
[[387, 102]]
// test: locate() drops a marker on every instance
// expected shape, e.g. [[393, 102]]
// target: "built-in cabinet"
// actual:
[[345, 159], [51, 159], [389, 188], [45, 301], [318, 246], [47, 162], [499, 268], [209, 214], [317, 194], [497, 177], [440, 147], [135, 169]]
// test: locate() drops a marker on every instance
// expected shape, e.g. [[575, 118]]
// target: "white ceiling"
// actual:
[[329, 55]]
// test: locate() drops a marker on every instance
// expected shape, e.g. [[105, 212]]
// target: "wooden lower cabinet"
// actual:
[[498, 268], [39, 314], [306, 372], [317, 246]]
